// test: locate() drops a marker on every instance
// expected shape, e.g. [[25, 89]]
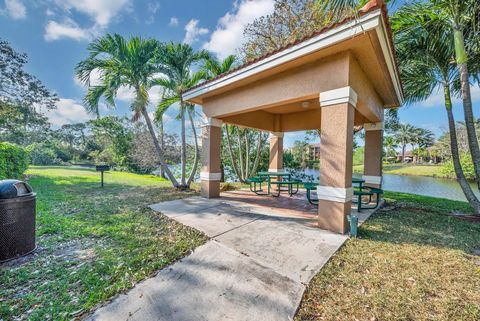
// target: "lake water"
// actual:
[[429, 186]]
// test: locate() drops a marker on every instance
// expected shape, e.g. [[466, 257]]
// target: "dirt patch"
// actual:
[[75, 250]]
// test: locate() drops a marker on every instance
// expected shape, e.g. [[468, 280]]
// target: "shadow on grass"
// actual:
[[413, 219]]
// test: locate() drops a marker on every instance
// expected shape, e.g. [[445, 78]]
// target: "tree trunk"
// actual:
[[195, 161], [259, 154], [183, 148], [403, 152], [157, 148], [461, 59], [162, 143], [247, 156], [240, 155], [467, 190], [230, 151]]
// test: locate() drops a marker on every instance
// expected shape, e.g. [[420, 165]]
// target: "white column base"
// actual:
[[377, 180], [335, 194], [205, 176]]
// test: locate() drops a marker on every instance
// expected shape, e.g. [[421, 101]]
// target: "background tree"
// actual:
[[390, 143], [244, 147], [290, 20], [404, 135], [426, 56], [22, 98], [176, 62], [213, 67], [462, 17], [123, 63], [19, 87], [143, 151], [116, 133]]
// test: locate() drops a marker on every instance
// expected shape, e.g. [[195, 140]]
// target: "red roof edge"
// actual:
[[372, 5]]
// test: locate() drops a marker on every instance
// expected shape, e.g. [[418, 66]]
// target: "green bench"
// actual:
[[309, 187], [367, 191], [253, 181], [289, 184]]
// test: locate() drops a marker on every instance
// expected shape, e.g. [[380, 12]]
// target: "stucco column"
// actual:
[[372, 168], [335, 191], [276, 152], [210, 174]]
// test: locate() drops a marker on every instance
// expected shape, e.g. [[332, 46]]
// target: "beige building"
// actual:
[[342, 76], [314, 151]]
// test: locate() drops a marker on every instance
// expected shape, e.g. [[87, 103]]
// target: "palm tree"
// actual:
[[175, 62], [122, 63], [241, 164], [425, 57], [214, 67], [390, 144], [462, 17], [404, 135]]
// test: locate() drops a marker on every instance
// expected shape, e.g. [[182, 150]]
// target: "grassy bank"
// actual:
[[92, 243], [412, 261], [409, 169]]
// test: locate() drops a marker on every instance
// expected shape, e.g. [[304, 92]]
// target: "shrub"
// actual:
[[467, 165], [13, 161], [41, 154], [358, 156]]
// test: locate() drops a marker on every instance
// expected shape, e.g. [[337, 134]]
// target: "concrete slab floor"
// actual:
[[255, 267]]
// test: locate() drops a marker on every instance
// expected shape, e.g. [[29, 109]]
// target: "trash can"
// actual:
[[17, 219]]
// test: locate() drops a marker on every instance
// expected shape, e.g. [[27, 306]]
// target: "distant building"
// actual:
[[408, 156], [314, 151]]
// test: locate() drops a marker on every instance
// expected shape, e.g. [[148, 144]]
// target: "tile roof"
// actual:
[[372, 5]]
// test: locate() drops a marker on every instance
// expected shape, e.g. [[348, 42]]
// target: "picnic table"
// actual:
[[281, 176], [275, 174]]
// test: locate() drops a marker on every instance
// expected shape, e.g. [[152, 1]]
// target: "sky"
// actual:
[[55, 34]]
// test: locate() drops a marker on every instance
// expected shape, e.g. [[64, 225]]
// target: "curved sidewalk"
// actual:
[[254, 267]]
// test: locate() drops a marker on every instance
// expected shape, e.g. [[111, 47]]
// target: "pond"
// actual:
[[429, 186]]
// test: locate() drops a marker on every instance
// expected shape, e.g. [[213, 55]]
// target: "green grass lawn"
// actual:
[[92, 243], [408, 169], [411, 261]]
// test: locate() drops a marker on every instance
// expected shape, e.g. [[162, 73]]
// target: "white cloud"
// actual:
[[68, 29], [94, 79], [100, 11], [173, 22], [437, 98], [68, 111], [152, 8], [128, 94], [15, 9], [193, 31], [228, 35]]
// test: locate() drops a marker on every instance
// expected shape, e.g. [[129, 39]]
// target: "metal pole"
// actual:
[[102, 178]]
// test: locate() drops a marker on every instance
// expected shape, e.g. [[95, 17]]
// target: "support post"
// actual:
[[276, 152], [210, 174], [372, 168], [336, 152]]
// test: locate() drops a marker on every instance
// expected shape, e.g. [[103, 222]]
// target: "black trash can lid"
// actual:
[[12, 188]]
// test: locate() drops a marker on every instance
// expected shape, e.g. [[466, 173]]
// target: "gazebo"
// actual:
[[342, 76]]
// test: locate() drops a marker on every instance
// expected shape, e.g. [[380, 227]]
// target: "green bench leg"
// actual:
[[309, 198]]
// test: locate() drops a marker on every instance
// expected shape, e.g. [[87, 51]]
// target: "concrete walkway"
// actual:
[[255, 267]]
